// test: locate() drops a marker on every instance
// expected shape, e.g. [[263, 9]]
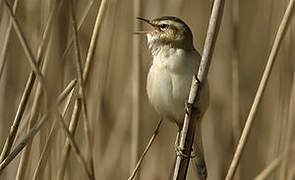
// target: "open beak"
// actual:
[[147, 21]]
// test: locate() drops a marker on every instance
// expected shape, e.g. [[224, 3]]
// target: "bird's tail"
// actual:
[[199, 160]]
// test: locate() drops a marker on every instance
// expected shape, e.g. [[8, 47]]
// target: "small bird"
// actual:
[[175, 61]]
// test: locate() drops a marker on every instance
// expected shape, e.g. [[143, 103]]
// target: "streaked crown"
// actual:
[[169, 30]]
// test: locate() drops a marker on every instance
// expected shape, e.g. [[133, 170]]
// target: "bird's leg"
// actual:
[[176, 145], [188, 107], [199, 161], [178, 149]]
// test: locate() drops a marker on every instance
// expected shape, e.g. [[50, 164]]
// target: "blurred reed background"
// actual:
[[119, 118]]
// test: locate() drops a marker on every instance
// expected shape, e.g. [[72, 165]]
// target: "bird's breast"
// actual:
[[168, 84]]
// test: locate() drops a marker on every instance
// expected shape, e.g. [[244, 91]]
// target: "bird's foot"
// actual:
[[197, 79], [188, 107], [180, 152]]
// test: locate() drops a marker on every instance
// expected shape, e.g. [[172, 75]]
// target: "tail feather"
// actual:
[[199, 161], [201, 168]]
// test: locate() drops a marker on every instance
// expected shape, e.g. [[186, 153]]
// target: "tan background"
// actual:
[[111, 86]]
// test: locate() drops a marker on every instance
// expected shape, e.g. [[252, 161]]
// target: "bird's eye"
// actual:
[[163, 26]]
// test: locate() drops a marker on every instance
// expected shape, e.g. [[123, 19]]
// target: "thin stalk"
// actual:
[[289, 131], [235, 71], [74, 144], [81, 92], [38, 173], [111, 155], [26, 140], [236, 124], [5, 42], [85, 13], [75, 118], [94, 37], [274, 164], [24, 44], [34, 114], [152, 139], [135, 90], [188, 129], [33, 131], [28, 87], [269, 169], [274, 51], [67, 146]]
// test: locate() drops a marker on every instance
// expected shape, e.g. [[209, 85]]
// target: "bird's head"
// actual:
[[169, 31]]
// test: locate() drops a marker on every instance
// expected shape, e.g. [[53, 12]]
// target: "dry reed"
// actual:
[[188, 129], [113, 89], [274, 51]]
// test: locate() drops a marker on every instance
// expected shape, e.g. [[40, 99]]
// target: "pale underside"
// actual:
[[169, 81]]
